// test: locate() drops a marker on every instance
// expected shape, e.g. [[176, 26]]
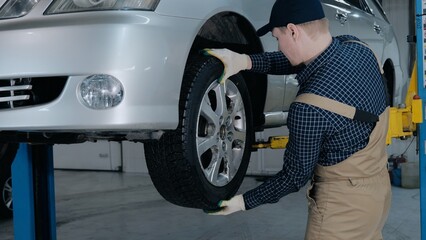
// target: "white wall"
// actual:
[[133, 157], [102, 155]]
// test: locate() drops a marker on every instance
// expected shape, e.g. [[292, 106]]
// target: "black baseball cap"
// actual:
[[292, 11]]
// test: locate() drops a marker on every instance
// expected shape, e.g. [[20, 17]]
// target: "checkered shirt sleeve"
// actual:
[[307, 129], [274, 63]]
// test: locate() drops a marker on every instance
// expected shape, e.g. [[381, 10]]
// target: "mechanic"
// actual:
[[337, 124]]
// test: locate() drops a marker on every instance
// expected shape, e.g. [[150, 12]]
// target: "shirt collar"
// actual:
[[324, 57]]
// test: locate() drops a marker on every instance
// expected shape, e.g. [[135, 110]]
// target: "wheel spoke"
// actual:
[[239, 135], [233, 162], [230, 155], [213, 172], [7, 187], [222, 109], [234, 165], [238, 104], [207, 111], [7, 193], [8, 202], [204, 144]]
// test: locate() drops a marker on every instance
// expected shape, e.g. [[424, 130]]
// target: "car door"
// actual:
[[365, 25]]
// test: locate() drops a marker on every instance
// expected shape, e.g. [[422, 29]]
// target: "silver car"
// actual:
[[85, 70]]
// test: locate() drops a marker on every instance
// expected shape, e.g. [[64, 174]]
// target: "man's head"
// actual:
[[301, 43], [300, 28], [292, 11]]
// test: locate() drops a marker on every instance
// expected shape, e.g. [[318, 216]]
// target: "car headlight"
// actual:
[[67, 6], [101, 91], [14, 9]]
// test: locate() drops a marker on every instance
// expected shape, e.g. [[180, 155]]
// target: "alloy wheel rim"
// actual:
[[221, 133], [7, 194]]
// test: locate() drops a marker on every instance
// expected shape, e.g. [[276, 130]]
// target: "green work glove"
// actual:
[[233, 62], [235, 204]]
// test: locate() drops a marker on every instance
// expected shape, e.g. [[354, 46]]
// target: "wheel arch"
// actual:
[[233, 31], [397, 81], [389, 72]]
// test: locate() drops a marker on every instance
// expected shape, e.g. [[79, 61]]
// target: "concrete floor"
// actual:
[[110, 205]]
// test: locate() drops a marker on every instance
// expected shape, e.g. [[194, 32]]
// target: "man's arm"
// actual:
[[270, 63], [275, 63], [307, 132]]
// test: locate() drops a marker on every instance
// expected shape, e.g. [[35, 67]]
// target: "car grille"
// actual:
[[21, 92]]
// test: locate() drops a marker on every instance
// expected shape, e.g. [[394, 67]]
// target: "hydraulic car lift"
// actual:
[[33, 177]]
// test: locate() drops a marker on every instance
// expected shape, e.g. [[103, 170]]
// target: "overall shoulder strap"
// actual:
[[337, 107]]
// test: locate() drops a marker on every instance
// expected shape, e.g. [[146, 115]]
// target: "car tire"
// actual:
[[205, 159], [7, 155]]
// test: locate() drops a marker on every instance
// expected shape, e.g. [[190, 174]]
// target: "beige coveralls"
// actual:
[[350, 200]]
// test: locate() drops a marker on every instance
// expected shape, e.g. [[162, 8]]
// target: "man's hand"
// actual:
[[233, 62], [235, 204]]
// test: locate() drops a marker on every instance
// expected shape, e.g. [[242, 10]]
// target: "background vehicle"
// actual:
[[7, 154], [83, 70]]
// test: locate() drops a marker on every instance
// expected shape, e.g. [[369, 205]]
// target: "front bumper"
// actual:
[[145, 51]]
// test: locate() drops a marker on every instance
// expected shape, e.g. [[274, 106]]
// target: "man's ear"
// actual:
[[293, 30]]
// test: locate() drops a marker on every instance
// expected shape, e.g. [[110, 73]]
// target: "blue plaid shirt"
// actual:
[[346, 72]]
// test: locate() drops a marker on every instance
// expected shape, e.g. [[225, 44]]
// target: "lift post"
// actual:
[[33, 192], [421, 54]]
